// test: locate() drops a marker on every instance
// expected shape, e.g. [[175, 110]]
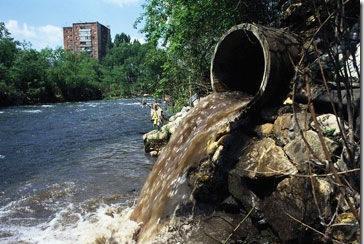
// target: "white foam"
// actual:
[[88, 228], [2, 156], [47, 106]]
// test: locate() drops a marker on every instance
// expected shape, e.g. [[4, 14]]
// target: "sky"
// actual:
[[40, 22]]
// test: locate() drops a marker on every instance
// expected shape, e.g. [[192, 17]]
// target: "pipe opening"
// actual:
[[239, 63]]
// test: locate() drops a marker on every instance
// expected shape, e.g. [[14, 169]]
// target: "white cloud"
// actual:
[[122, 3], [40, 36]]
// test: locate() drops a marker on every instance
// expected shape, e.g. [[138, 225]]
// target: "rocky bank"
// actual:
[[267, 181]]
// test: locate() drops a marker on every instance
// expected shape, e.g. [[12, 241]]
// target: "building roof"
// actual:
[[86, 23]]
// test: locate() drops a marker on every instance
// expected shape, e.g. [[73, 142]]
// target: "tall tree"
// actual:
[[121, 38]]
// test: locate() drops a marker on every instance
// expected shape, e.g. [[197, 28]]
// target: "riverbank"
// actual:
[[256, 181]]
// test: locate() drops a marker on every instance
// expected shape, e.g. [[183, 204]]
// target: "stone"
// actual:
[[154, 153], [324, 191], [285, 128], [219, 227], [230, 205], [341, 165], [262, 159], [155, 140], [292, 202], [288, 101], [239, 190], [328, 124], [298, 151], [264, 129], [346, 228]]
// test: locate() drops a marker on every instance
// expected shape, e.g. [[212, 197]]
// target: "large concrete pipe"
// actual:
[[256, 60]]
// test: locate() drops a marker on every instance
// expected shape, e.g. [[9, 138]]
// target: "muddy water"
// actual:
[[192, 142]]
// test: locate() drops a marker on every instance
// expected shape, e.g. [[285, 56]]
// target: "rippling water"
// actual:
[[70, 168]]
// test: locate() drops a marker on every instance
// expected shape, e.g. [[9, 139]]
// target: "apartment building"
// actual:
[[90, 37]]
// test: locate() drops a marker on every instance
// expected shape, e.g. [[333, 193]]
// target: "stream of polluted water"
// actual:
[[73, 173], [166, 187]]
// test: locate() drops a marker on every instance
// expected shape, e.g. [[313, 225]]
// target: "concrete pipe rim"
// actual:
[[219, 86]]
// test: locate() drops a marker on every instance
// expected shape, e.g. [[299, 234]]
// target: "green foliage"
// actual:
[[132, 69], [189, 30], [121, 38], [28, 76]]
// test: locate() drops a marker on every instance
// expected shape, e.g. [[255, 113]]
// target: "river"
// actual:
[[67, 170]]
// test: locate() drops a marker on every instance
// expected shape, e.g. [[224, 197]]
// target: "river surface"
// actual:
[[67, 169]]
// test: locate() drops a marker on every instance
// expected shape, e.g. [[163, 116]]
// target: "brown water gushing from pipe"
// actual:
[[189, 145], [251, 59]]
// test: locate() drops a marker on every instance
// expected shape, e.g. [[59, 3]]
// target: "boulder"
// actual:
[[285, 128], [324, 190], [239, 190], [346, 228], [264, 129], [222, 227], [328, 124], [262, 159], [155, 140], [292, 203], [298, 151], [230, 205]]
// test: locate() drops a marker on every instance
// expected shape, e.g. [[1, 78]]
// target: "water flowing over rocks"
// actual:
[[192, 143]]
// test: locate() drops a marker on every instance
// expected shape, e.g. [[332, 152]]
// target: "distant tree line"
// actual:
[[28, 76]]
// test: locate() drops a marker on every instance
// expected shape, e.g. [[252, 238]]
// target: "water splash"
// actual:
[[93, 220], [108, 224], [191, 143]]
